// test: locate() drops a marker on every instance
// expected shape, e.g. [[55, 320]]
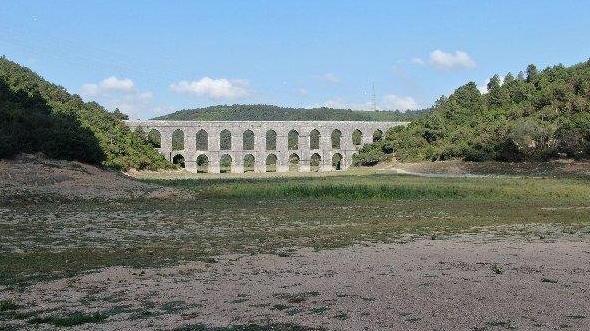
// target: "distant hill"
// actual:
[[40, 117], [276, 113], [535, 115]]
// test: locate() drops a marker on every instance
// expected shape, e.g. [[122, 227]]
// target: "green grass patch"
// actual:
[[386, 187], [297, 297], [6, 305], [73, 319], [359, 192], [319, 310]]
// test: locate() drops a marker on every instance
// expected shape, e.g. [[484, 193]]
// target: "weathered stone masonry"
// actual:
[[260, 153]]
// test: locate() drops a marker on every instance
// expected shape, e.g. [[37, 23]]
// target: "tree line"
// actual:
[[39, 117], [533, 116], [277, 113]]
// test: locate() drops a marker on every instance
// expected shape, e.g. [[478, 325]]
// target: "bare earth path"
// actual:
[[474, 282]]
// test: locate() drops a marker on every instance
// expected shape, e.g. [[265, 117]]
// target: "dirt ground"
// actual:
[[509, 278], [453, 168], [475, 282], [557, 168], [35, 177]]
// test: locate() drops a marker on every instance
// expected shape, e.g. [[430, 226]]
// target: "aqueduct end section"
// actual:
[[239, 146]]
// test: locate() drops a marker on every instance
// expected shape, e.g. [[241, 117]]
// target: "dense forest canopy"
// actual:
[[37, 116], [537, 115], [276, 113]]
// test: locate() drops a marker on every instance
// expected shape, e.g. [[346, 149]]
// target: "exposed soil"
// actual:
[[453, 168], [472, 282], [558, 168], [521, 275], [30, 177]]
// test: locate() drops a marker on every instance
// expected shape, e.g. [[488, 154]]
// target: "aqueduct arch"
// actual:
[[261, 146]]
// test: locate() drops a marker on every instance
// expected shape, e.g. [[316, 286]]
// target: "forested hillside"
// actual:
[[276, 113], [37, 116], [533, 116]]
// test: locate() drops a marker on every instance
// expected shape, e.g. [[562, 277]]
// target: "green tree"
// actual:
[[531, 72], [545, 116], [509, 78], [119, 115], [497, 96], [37, 116]]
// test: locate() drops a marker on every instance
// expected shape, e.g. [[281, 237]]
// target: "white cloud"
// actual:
[[213, 88], [330, 78], [388, 102], [302, 91], [88, 90], [110, 84], [145, 95], [132, 105], [113, 92], [396, 102], [115, 84], [449, 61], [417, 61]]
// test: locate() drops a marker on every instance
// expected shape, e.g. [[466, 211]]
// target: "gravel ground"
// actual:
[[475, 282]]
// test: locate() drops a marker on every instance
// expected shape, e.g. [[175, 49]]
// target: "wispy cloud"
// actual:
[[302, 92], [388, 102], [418, 61], [401, 103], [330, 78]]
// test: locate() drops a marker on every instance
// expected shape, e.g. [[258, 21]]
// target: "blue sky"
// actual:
[[154, 57]]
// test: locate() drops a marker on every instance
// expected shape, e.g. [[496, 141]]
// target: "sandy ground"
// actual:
[[475, 282]]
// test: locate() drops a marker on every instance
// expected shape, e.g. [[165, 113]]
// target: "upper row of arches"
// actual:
[[225, 139]]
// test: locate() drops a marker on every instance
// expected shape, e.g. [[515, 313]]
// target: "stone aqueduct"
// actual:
[[309, 145]]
